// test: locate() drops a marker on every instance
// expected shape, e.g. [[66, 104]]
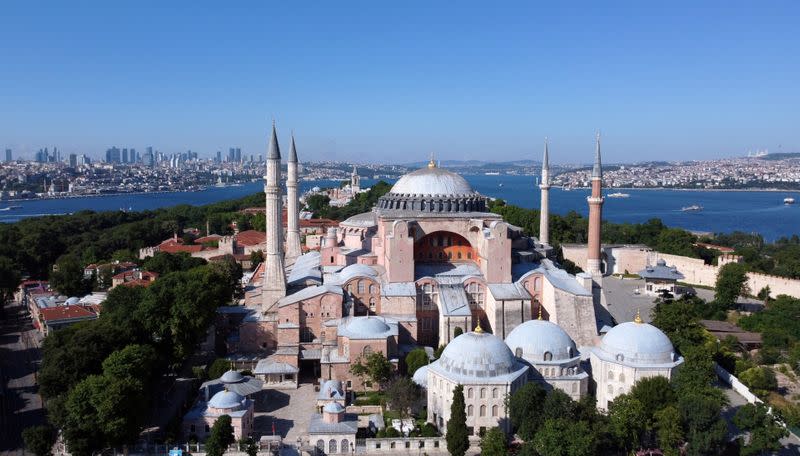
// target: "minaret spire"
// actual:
[[273, 284], [544, 209], [293, 249], [594, 261]]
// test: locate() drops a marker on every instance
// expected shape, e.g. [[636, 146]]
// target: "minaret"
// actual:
[[273, 285], [544, 211], [595, 215], [292, 208], [355, 181]]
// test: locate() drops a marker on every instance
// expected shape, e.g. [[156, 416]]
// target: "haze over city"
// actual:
[[389, 84]]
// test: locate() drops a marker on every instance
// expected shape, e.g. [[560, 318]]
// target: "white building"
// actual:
[[628, 353]]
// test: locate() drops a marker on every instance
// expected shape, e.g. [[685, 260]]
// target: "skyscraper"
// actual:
[[219, 157], [238, 155], [8, 155], [73, 160], [125, 155]]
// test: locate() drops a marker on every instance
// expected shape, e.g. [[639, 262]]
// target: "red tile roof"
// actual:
[[65, 313], [251, 237], [209, 238], [175, 248]]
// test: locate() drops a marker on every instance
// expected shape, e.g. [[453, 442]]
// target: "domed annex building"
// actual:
[[628, 353]]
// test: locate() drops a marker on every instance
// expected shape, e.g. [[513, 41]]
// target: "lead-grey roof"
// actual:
[[397, 289], [272, 366], [453, 300], [331, 389], [478, 357], [306, 267], [432, 181], [434, 270], [246, 386], [363, 220], [508, 291], [557, 277], [307, 293], [348, 426], [370, 327], [661, 272]]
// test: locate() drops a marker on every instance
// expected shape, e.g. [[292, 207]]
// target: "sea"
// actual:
[[754, 211]]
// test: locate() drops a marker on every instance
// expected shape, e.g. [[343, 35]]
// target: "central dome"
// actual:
[[432, 181], [638, 343]]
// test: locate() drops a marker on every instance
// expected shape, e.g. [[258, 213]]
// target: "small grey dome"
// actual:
[[226, 400], [638, 343], [367, 326], [477, 354], [232, 376], [536, 338], [333, 407], [357, 270], [72, 301], [432, 181]]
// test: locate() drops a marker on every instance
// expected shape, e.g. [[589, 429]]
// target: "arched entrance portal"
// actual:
[[444, 247]]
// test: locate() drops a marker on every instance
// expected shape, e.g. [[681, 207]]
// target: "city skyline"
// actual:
[[375, 84]]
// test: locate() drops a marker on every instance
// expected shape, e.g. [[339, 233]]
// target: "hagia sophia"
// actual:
[[431, 266]]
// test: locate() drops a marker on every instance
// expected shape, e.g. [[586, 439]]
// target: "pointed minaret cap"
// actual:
[[274, 148], [546, 159], [597, 171], [540, 311], [293, 152], [478, 328]]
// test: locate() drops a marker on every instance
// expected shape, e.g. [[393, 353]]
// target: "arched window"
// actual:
[[621, 377], [372, 304], [332, 447], [574, 387], [537, 283], [469, 410], [494, 410], [494, 393], [518, 352], [469, 393], [548, 356], [345, 445], [361, 287], [373, 289], [367, 351], [459, 255], [610, 389], [321, 445], [483, 393], [469, 255], [482, 410]]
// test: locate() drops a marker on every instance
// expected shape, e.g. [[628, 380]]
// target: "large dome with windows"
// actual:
[[433, 189], [477, 354], [638, 343]]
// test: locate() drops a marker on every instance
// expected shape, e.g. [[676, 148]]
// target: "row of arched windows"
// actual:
[[482, 392], [482, 410], [333, 446]]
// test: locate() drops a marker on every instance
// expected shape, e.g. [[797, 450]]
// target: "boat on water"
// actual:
[[491, 173], [618, 195], [5, 208], [692, 208], [788, 200], [500, 184]]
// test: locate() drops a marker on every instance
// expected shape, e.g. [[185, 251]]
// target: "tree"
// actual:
[[218, 367], [525, 409], [39, 440], [731, 283], [164, 263], [438, 352], [374, 366], [415, 359], [221, 436], [256, 258], [628, 421], [760, 379], [706, 430], [764, 432], [402, 394], [493, 443], [457, 433], [9, 279], [133, 361], [558, 404], [669, 433], [458, 331], [563, 437], [654, 393], [67, 277]]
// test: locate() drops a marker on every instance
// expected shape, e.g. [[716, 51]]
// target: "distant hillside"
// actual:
[[780, 156], [478, 164]]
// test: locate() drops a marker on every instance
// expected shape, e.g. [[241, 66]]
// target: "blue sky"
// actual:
[[393, 82]]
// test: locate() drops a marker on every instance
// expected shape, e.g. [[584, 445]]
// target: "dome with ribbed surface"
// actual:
[[420, 377], [333, 407], [533, 339], [232, 376], [477, 354], [638, 343], [432, 181]]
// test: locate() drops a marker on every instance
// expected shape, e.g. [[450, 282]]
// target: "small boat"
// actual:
[[789, 200], [692, 208], [5, 208], [500, 184], [15, 207], [618, 195]]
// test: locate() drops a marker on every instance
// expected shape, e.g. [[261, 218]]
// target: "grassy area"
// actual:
[[371, 398]]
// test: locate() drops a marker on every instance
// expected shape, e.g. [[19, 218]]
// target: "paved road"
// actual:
[[20, 403]]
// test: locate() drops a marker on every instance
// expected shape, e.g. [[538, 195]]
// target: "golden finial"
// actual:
[[432, 163], [478, 328], [638, 318], [540, 311]]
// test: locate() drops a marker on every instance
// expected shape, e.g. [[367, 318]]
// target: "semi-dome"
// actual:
[[433, 189], [477, 354], [357, 270], [432, 181], [541, 340], [333, 407], [232, 376], [638, 343], [368, 327], [226, 400]]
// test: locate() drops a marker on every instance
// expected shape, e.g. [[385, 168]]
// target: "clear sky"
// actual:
[[395, 81]]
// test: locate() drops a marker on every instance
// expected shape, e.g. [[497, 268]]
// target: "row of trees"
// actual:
[[99, 377], [363, 202]]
